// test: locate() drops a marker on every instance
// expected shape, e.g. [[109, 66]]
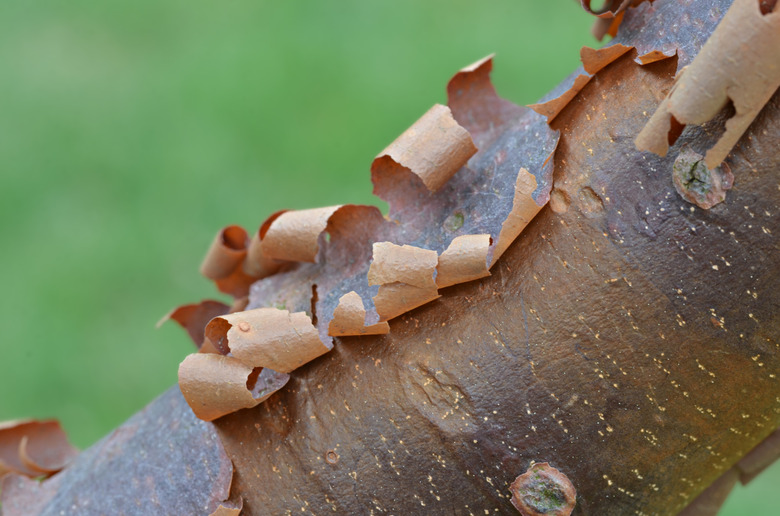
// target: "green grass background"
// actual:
[[130, 132]]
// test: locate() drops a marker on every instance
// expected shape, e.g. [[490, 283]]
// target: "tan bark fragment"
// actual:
[[405, 275], [464, 260], [294, 235], [267, 337], [652, 57], [394, 299], [402, 263], [215, 385], [349, 318], [738, 63], [433, 148], [524, 209], [227, 250], [257, 264]]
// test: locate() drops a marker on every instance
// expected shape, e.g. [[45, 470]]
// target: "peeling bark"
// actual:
[[626, 338]]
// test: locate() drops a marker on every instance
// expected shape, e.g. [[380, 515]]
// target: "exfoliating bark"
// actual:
[[627, 338], [592, 347], [597, 345]]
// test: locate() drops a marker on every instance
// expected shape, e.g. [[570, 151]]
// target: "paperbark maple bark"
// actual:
[[627, 338], [597, 345]]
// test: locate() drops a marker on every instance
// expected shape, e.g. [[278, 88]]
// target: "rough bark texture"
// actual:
[[627, 338]]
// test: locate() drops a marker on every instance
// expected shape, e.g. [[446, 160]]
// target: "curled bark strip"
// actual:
[[34, 448], [223, 261], [227, 250], [402, 263], [738, 64], [343, 267], [294, 235], [406, 278], [257, 264], [394, 299], [433, 148], [524, 209], [543, 490], [194, 317], [268, 338], [215, 385], [652, 57], [349, 318], [464, 260], [428, 212], [286, 237], [45, 458]]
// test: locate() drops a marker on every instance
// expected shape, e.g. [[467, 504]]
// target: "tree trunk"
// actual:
[[627, 338]]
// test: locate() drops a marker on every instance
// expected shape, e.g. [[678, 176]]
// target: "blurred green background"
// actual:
[[130, 132]]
